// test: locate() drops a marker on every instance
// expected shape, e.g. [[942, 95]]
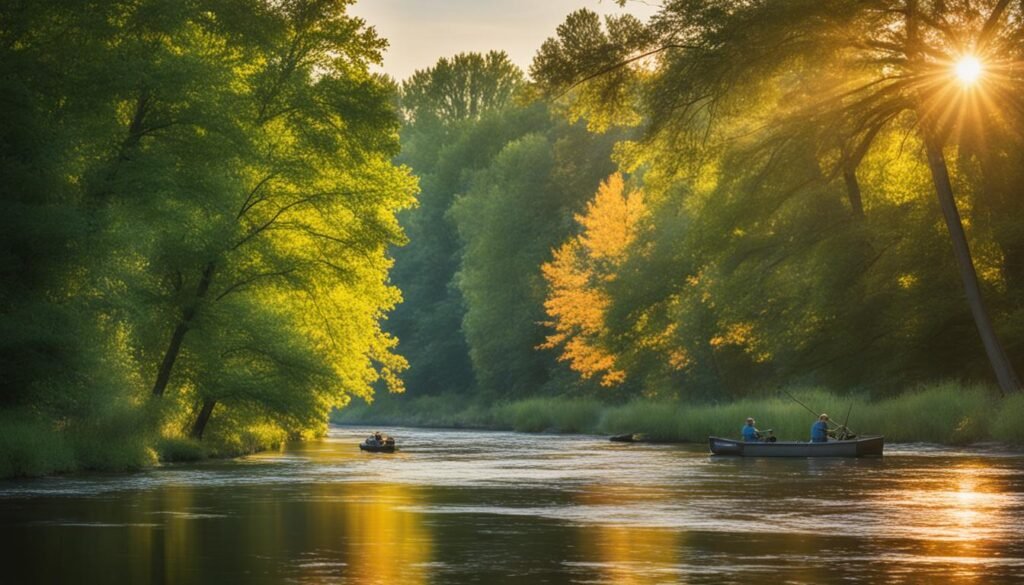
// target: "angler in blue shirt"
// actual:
[[819, 430], [750, 433]]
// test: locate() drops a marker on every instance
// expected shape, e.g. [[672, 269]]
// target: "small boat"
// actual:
[[384, 444], [859, 447]]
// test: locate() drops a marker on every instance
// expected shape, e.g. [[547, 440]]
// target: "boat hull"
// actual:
[[863, 447], [377, 448]]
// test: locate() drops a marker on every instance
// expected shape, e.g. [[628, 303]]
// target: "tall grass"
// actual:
[[32, 447], [117, 439], [946, 413], [548, 415], [1008, 426]]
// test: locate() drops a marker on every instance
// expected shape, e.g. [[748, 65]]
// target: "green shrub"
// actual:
[[171, 449]]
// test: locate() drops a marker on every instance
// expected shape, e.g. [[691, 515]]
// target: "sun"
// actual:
[[968, 70]]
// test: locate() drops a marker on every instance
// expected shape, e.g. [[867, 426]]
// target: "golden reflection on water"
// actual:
[[629, 555], [957, 513], [386, 541], [366, 533]]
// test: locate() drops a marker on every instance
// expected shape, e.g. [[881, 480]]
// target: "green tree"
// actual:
[[200, 201], [516, 211], [459, 115]]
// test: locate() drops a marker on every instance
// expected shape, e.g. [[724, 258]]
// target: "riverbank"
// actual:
[[32, 446], [945, 413]]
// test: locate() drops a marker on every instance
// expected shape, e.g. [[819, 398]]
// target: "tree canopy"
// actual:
[[201, 201]]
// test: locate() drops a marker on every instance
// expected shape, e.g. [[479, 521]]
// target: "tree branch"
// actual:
[[234, 287]]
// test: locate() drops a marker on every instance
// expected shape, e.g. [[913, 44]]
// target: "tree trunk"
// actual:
[[1003, 369], [853, 192], [163, 375], [202, 419]]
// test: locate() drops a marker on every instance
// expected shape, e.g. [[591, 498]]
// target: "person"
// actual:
[[819, 430], [750, 432]]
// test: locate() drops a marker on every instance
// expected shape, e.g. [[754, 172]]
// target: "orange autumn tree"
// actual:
[[577, 299]]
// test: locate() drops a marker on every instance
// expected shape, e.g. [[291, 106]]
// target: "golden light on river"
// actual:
[[624, 554], [955, 516], [387, 543]]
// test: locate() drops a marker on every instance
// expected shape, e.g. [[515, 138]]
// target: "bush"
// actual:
[[171, 449]]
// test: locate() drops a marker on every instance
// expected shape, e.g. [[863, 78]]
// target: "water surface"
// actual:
[[471, 507]]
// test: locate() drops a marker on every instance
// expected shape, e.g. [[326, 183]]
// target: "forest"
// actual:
[[727, 200], [221, 224]]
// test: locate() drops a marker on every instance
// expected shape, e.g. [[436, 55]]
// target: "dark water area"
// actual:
[[467, 507]]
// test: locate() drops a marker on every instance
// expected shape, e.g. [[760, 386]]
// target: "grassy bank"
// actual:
[[946, 413], [33, 446]]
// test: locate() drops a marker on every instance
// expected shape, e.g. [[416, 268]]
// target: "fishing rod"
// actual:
[[846, 433], [844, 427], [808, 408]]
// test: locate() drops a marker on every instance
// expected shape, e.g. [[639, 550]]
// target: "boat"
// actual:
[[378, 444], [859, 447]]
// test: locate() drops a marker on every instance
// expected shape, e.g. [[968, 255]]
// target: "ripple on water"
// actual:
[[460, 503]]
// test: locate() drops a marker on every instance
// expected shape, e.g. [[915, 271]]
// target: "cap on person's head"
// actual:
[[750, 420], [823, 417]]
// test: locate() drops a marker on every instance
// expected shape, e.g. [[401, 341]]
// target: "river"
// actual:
[[494, 507]]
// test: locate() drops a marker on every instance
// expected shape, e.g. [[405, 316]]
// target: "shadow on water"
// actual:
[[462, 507]]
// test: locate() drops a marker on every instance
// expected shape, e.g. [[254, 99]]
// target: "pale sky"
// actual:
[[421, 31]]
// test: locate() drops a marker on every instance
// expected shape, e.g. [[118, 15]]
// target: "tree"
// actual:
[[308, 224], [459, 114], [201, 201], [577, 300], [890, 63], [464, 87]]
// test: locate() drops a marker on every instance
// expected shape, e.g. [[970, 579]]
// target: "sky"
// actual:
[[421, 31]]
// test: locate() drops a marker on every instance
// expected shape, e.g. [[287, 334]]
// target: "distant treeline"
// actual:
[[197, 201], [730, 197]]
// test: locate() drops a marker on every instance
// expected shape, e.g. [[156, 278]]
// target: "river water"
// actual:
[[494, 507]]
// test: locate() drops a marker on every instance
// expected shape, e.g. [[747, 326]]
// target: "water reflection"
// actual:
[[626, 555], [386, 541], [458, 507], [959, 513], [623, 554]]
